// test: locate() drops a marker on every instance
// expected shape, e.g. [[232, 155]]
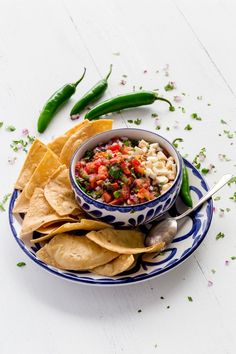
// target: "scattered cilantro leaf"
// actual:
[[213, 271], [139, 310], [233, 258], [188, 127], [175, 142], [10, 128], [170, 86], [195, 116], [232, 180], [21, 264], [1, 124], [137, 121], [115, 171], [233, 197], [220, 235], [171, 108], [183, 110], [228, 134], [154, 115], [205, 170], [130, 121], [223, 121], [158, 127], [217, 198], [4, 201], [190, 299]]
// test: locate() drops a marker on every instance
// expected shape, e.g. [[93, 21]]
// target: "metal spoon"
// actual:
[[166, 230]]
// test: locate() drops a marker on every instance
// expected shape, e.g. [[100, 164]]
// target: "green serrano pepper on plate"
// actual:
[[129, 100], [185, 190], [55, 102], [92, 95]]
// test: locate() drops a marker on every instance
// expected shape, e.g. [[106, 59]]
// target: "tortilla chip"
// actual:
[[123, 241], [117, 266], [59, 193], [77, 252], [40, 213], [21, 204], [45, 169], [34, 156], [83, 224], [44, 256], [49, 228], [93, 128], [57, 144]]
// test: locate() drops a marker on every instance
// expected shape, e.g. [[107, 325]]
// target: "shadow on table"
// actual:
[[97, 302]]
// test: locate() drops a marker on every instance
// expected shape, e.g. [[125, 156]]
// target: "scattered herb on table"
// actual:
[[223, 121], [199, 158], [195, 116], [158, 127], [21, 264], [10, 128], [217, 198], [220, 235], [233, 197], [223, 157], [171, 108], [205, 170], [4, 201], [168, 307], [137, 121], [21, 144], [190, 299], [1, 124], [183, 110], [175, 142], [139, 310], [170, 86], [130, 121], [228, 134], [213, 271], [188, 127], [162, 297], [232, 180], [154, 115], [199, 98], [209, 283], [233, 258]]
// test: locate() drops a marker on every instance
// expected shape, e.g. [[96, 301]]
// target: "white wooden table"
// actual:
[[45, 44]]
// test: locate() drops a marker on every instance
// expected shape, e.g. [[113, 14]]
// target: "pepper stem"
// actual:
[[163, 99], [106, 78], [77, 82]]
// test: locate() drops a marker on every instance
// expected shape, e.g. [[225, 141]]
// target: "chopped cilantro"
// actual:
[[201, 156], [1, 124], [196, 116], [199, 98], [175, 142], [154, 115], [170, 86], [4, 201], [21, 264], [21, 144], [232, 180], [223, 121], [158, 127], [10, 128], [168, 307], [115, 171], [233, 258], [167, 128], [171, 108], [228, 134], [183, 110], [130, 121], [205, 170], [190, 299], [213, 271], [162, 297], [139, 310], [233, 197], [220, 235], [138, 121], [188, 127], [88, 155]]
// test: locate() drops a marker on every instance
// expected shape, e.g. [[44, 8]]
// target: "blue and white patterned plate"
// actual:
[[187, 240]]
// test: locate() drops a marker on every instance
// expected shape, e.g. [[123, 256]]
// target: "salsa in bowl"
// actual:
[[126, 176]]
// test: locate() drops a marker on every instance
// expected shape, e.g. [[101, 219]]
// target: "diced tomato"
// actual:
[[115, 147], [92, 181], [89, 168], [114, 186], [125, 169], [140, 170], [102, 172], [135, 162], [145, 194], [106, 197], [117, 201], [125, 191], [116, 159]]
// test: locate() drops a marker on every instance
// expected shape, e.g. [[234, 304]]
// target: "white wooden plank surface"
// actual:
[[45, 44]]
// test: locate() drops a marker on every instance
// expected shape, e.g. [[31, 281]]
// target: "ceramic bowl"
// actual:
[[132, 215]]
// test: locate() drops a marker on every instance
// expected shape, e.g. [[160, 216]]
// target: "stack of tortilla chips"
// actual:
[[50, 208]]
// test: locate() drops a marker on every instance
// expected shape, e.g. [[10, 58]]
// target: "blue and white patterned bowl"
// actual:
[[132, 215], [187, 240]]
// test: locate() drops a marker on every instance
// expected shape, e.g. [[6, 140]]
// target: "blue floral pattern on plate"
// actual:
[[187, 240]]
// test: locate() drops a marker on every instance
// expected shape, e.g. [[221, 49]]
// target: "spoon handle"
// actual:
[[225, 179]]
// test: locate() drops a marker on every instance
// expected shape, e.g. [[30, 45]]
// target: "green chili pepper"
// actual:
[[133, 99], [54, 102], [184, 190], [92, 95]]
